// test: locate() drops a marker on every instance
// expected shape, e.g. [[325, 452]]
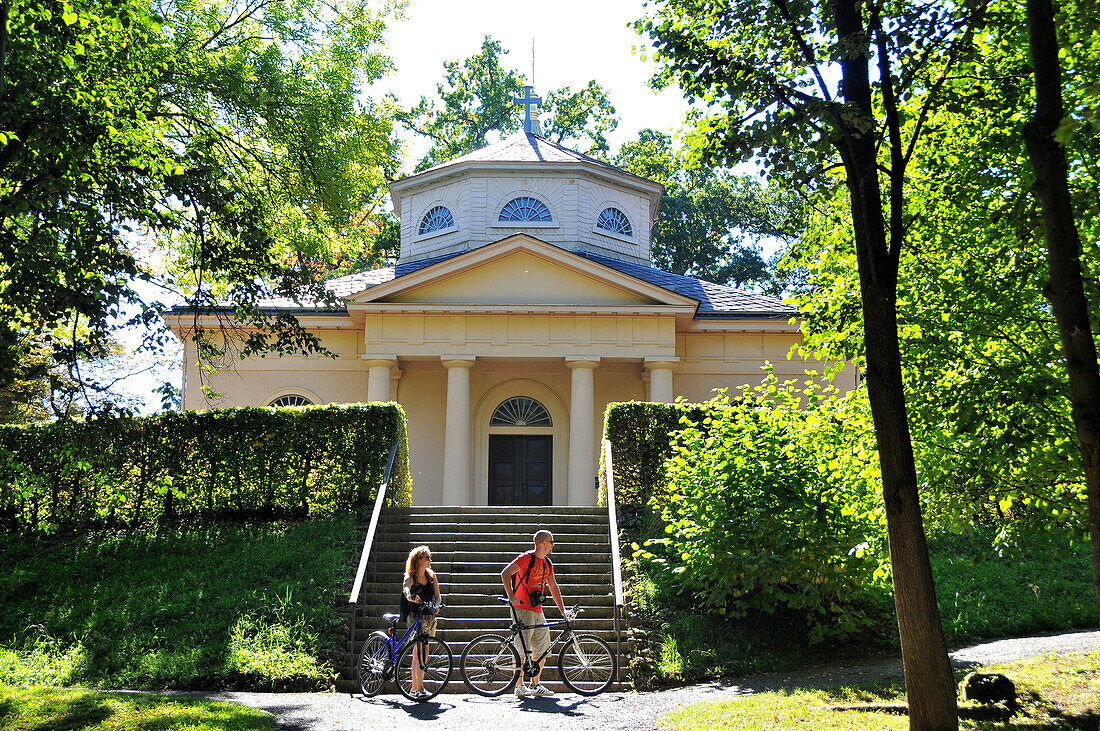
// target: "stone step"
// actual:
[[457, 640], [504, 538], [385, 556], [488, 589], [482, 527], [458, 614], [542, 511], [582, 575]]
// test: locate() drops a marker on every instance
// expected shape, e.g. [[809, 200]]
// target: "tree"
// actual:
[[227, 136], [709, 216], [1065, 287], [476, 100], [759, 67]]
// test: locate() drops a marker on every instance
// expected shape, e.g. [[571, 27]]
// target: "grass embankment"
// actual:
[[1054, 692], [37, 708], [246, 607], [1037, 586]]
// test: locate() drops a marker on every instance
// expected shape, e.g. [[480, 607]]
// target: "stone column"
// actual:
[[660, 379], [582, 432], [379, 374], [456, 445]]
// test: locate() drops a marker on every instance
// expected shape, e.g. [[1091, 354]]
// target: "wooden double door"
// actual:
[[521, 469]]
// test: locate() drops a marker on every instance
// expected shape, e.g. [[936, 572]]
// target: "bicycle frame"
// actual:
[[518, 628], [395, 644]]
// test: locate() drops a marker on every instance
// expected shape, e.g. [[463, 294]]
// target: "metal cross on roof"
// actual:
[[527, 101]]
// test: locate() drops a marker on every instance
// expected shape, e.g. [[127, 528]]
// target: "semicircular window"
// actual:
[[436, 219], [615, 221], [291, 399], [525, 210], [521, 411]]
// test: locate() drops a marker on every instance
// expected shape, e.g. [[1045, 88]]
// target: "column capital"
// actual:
[[652, 363], [458, 361], [582, 361], [379, 361]]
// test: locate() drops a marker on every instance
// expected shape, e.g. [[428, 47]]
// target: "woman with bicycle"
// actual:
[[420, 586]]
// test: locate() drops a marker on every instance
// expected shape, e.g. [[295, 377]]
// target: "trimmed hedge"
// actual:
[[191, 466], [640, 435]]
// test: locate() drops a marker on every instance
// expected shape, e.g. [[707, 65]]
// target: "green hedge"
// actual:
[[640, 436], [190, 466]]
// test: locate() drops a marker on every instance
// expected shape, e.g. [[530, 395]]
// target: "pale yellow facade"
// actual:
[[513, 316]]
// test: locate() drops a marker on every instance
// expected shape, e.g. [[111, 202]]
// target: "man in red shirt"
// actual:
[[529, 577]]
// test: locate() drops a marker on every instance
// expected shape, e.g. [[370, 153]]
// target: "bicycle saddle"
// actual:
[[391, 617]]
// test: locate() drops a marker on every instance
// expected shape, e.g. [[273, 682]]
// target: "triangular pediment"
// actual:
[[521, 271]]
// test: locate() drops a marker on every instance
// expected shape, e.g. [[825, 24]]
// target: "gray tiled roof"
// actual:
[[524, 147], [715, 300]]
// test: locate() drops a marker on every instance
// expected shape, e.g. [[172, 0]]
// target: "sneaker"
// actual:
[[541, 691], [522, 691]]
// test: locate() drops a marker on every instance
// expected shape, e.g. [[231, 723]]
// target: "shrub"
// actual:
[[641, 442], [773, 503], [132, 472]]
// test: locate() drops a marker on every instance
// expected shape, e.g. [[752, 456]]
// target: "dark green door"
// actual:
[[520, 469]]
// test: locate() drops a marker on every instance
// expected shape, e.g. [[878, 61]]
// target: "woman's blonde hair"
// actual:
[[415, 555]]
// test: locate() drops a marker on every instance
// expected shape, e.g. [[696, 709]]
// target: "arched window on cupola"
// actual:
[[615, 221], [525, 210], [437, 219]]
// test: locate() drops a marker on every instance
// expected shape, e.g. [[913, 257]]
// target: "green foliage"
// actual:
[[641, 435], [217, 149], [476, 101], [197, 465], [34, 709], [773, 503], [250, 607], [709, 216]]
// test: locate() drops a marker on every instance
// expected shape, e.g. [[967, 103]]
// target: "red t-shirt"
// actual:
[[540, 572]]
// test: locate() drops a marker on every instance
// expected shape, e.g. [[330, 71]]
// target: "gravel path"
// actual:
[[607, 712]]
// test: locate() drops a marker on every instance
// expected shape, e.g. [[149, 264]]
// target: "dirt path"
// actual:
[[608, 712]]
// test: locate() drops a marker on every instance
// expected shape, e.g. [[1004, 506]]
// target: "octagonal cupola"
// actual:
[[526, 184]]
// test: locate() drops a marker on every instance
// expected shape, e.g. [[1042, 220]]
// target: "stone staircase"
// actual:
[[470, 546]]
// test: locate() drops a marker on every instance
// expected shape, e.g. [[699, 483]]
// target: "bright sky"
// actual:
[[576, 41]]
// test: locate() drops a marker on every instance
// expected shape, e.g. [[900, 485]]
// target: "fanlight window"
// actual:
[[615, 221], [436, 219], [291, 399], [521, 411], [524, 210]]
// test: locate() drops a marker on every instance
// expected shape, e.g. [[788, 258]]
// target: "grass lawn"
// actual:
[[1054, 692], [76, 709], [248, 607]]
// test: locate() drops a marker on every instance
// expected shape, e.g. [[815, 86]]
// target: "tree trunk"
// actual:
[[1065, 288], [929, 684]]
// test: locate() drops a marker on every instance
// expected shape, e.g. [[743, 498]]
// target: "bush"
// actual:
[[773, 503], [134, 472], [641, 442]]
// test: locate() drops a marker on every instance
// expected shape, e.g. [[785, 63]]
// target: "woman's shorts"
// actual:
[[427, 623], [537, 639]]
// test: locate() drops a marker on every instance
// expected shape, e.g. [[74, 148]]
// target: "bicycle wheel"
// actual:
[[586, 664], [435, 662], [490, 665], [374, 663]]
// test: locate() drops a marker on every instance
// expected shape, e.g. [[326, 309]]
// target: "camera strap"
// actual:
[[531, 565]]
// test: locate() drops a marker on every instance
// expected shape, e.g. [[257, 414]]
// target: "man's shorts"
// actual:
[[537, 639]]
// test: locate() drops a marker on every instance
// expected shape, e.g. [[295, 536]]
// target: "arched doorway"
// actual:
[[521, 453]]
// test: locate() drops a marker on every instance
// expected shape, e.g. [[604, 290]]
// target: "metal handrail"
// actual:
[[616, 560], [378, 502], [357, 587]]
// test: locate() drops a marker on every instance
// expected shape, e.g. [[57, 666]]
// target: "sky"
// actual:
[[575, 42]]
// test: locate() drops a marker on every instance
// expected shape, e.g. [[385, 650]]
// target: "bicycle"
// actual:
[[384, 654], [490, 664]]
